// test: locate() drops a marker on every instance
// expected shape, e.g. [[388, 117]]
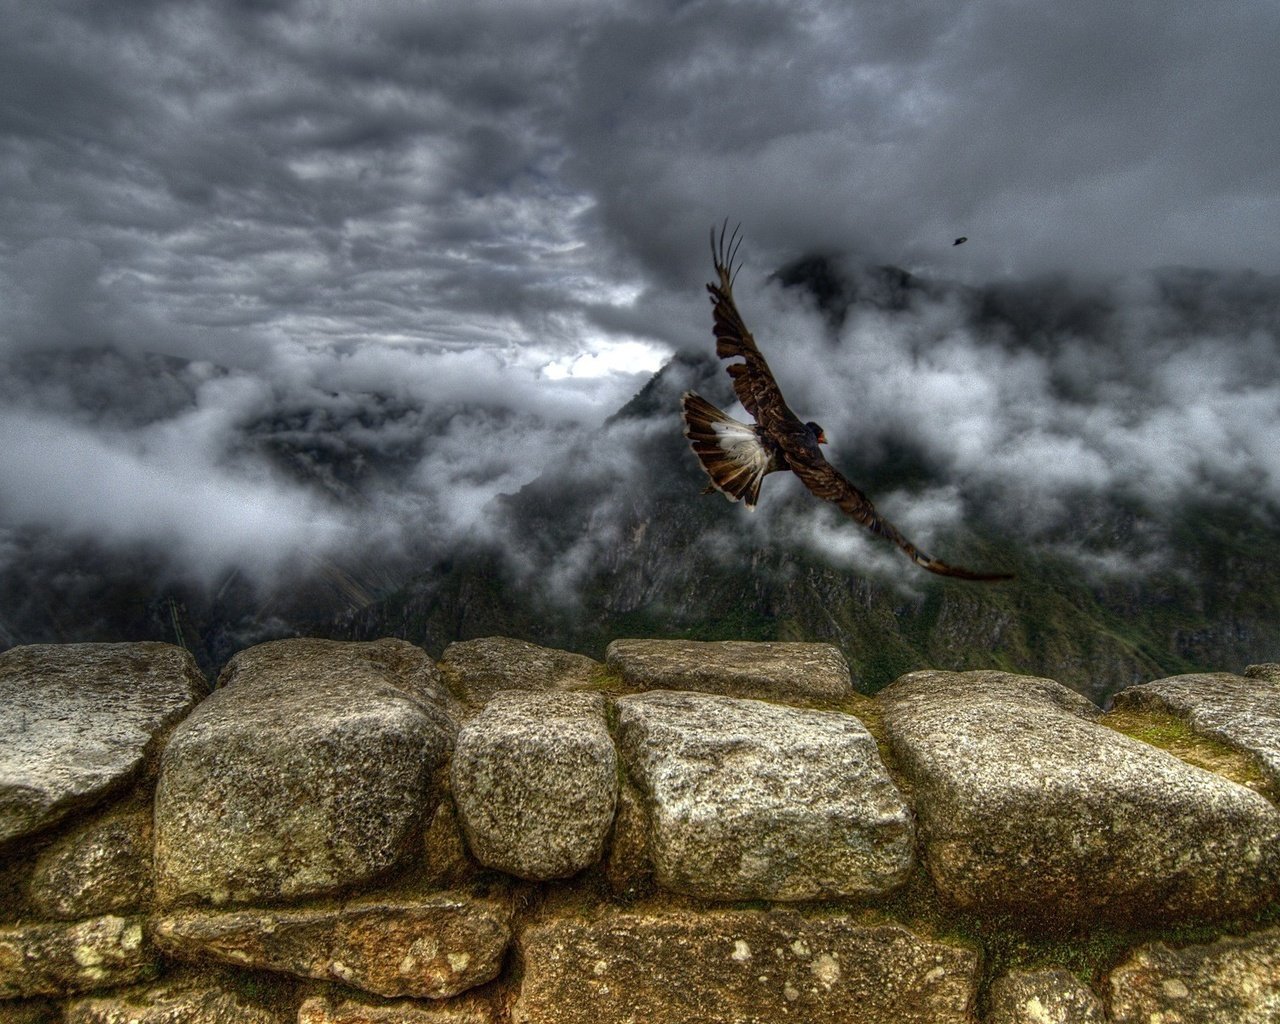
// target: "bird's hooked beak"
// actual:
[[822, 437]]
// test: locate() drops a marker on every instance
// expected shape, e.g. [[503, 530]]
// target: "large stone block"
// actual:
[[739, 967], [335, 1010], [749, 800], [1046, 996], [201, 998], [429, 947], [77, 722], [55, 959], [535, 779], [477, 669], [1028, 807], [1232, 981], [738, 668], [1242, 712], [101, 867], [309, 770]]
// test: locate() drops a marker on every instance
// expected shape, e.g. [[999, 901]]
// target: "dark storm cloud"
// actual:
[[459, 232]]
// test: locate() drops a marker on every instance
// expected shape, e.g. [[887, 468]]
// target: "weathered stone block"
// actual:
[[738, 668], [739, 967], [749, 800], [535, 779], [1234, 980], [430, 947], [1051, 996], [30, 1011], [180, 999], [627, 867], [77, 722], [102, 867], [334, 1010], [55, 959], [308, 771], [1028, 807], [477, 669], [444, 851], [1242, 712]]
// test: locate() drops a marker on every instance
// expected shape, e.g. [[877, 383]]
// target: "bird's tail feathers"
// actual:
[[730, 451], [939, 567]]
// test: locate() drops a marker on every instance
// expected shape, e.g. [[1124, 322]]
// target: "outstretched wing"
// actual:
[[827, 483], [753, 381]]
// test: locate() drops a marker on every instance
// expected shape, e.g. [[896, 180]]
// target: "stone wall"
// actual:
[[346, 833]]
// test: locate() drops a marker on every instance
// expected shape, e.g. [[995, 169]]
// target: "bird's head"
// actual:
[[817, 433]]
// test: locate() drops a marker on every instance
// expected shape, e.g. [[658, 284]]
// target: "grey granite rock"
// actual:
[[309, 770], [1270, 671], [1232, 981], [77, 722], [427, 947], [535, 780], [56, 959], [1028, 807], [1049, 996], [739, 967], [749, 800], [477, 669], [101, 867], [739, 668], [1242, 712], [627, 867]]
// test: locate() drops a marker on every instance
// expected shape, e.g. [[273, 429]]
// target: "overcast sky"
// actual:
[[474, 205]]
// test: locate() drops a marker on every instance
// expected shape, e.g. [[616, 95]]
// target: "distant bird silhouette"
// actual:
[[961, 240], [737, 456]]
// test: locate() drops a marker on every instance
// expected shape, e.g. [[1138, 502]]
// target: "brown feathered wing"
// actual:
[[754, 384]]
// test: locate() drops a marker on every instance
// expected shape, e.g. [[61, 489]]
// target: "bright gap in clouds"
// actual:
[[608, 358]]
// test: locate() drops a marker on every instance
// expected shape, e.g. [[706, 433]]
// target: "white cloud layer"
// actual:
[[432, 245]]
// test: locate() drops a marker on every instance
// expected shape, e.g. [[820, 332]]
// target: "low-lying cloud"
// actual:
[[311, 280]]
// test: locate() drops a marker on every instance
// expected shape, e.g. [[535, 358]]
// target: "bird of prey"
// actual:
[[961, 240], [738, 456]]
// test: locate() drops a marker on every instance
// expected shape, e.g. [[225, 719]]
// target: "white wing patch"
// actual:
[[730, 452]]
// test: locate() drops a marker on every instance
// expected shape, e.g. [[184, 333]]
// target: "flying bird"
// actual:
[[961, 240], [738, 456]]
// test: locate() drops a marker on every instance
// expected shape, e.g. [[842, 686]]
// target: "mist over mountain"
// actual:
[[1110, 442]]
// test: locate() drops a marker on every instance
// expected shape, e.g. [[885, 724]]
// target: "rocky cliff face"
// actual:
[[701, 832]]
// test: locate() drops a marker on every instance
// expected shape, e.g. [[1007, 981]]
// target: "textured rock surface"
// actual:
[[198, 999], [430, 947], [30, 1011], [750, 800], [77, 722], [627, 867], [1269, 671], [445, 864], [733, 667], [1242, 712], [102, 867], [51, 959], [1052, 996], [306, 772], [331, 1010], [739, 967], [477, 669], [1026, 806], [535, 780], [1233, 981]]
